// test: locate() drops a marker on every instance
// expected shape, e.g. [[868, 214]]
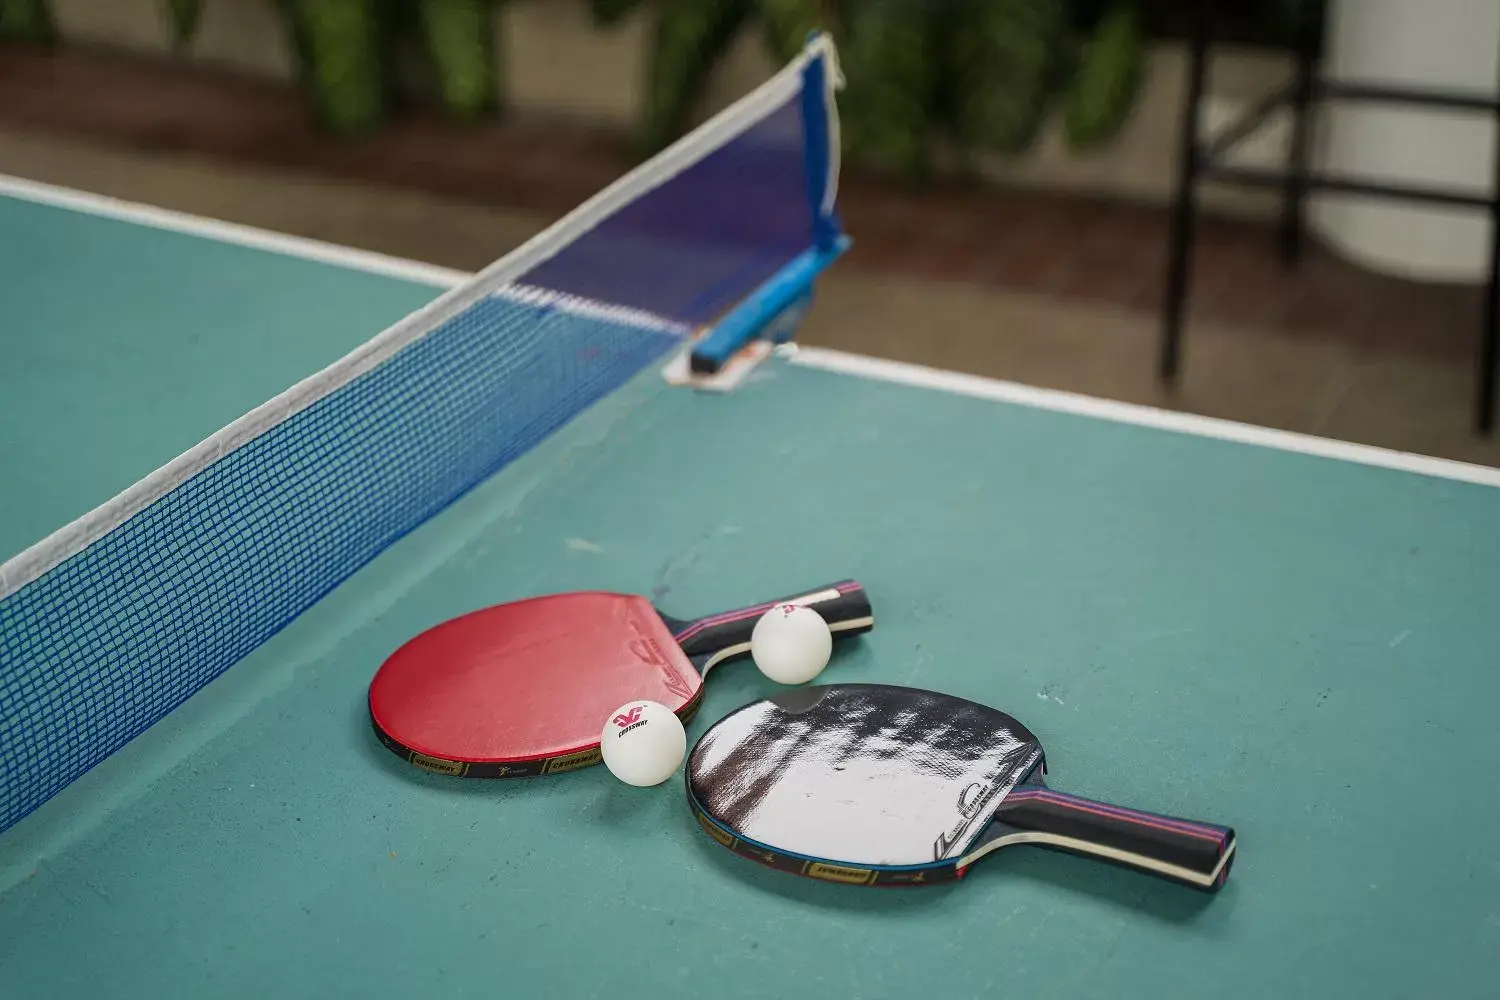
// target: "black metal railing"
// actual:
[[1198, 161]]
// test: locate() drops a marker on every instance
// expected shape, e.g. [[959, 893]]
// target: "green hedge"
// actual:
[[985, 75]]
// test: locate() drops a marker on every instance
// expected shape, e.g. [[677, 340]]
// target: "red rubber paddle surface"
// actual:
[[528, 681]]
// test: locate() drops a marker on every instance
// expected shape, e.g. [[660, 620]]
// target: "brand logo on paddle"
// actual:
[[647, 651]]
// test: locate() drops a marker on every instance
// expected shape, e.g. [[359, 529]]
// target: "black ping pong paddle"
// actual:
[[873, 784]]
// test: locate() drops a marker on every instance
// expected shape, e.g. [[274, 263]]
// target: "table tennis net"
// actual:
[[113, 621]]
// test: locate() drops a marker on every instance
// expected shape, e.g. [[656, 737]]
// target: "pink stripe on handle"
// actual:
[[1130, 815], [740, 615]]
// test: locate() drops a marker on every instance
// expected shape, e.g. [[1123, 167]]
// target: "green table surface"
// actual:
[[1303, 647]]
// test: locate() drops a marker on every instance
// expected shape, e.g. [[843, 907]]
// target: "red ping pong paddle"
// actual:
[[523, 688]]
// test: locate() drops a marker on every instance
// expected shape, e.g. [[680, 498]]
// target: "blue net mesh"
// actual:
[[115, 635], [685, 250]]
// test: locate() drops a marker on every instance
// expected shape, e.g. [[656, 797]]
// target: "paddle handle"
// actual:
[[1181, 850], [709, 641]]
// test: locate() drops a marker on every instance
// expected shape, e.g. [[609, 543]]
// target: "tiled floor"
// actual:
[[1049, 290]]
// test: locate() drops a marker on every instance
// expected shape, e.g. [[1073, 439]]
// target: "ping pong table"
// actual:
[[1294, 636]]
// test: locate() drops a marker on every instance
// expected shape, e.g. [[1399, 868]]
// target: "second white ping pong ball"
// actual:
[[643, 742], [791, 644]]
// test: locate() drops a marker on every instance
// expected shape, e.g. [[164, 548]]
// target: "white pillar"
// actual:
[[1427, 44]]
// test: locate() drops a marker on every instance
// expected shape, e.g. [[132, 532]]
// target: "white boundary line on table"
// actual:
[[904, 373], [231, 232], [981, 387]]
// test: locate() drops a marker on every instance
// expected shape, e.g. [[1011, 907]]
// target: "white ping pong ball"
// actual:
[[643, 743], [791, 644]]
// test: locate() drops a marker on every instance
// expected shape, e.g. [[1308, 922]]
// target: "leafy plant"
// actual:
[[786, 24], [347, 53], [27, 21], [688, 37], [1111, 69], [460, 37], [1005, 66], [984, 73], [891, 60], [1004, 59], [183, 17], [343, 59], [608, 13]]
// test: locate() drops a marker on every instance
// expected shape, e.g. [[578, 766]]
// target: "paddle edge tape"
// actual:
[[817, 869], [531, 767]]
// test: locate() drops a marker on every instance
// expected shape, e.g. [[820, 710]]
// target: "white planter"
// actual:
[[1432, 44]]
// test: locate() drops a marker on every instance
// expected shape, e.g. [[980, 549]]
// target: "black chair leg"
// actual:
[[1489, 350], [1184, 209], [1294, 189]]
